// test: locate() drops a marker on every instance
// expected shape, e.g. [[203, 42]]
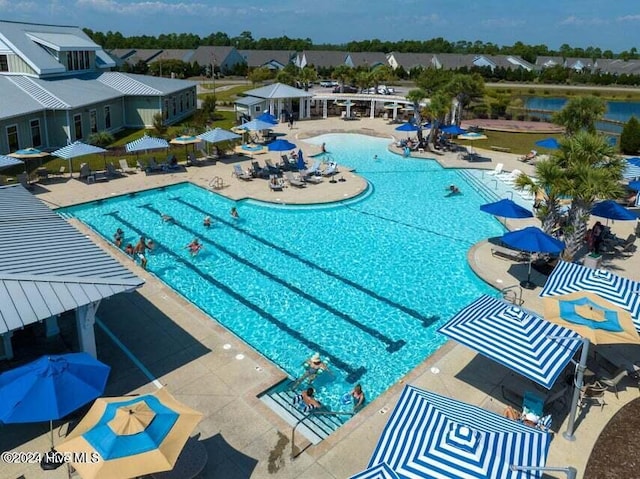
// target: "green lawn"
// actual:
[[568, 92], [228, 95], [519, 143]]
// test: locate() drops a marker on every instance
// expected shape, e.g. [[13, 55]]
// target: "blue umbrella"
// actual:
[[50, 388], [632, 169], [281, 145], [634, 185], [515, 338], [217, 135], [379, 471], [255, 125], [268, 117], [300, 161], [428, 435], [408, 127], [549, 143], [146, 143], [532, 240], [453, 130], [7, 162], [507, 209], [612, 211]]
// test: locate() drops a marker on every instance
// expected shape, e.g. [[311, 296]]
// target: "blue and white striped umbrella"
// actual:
[[76, 149], [255, 125], [379, 471], [514, 338], [146, 143], [632, 170], [217, 135], [7, 162], [432, 436], [570, 278]]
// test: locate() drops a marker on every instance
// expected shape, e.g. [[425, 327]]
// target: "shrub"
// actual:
[[101, 138], [158, 124], [630, 137], [531, 91]]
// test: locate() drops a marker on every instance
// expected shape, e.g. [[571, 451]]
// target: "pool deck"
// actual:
[[213, 371]]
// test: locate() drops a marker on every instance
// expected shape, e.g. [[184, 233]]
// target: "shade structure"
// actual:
[[268, 118], [217, 135], [379, 471], [50, 388], [515, 338], [28, 153], [472, 136], [256, 125], [281, 145], [185, 140], [408, 127], [632, 169], [634, 185], [507, 209], [591, 316], [612, 211], [8, 162], [570, 278], [532, 240], [432, 436], [453, 130], [132, 436], [392, 106], [548, 143], [146, 143], [77, 149]]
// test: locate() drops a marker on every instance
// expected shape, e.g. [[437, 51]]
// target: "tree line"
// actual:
[[245, 41]]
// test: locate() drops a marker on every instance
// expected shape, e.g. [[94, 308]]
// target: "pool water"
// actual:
[[366, 283]]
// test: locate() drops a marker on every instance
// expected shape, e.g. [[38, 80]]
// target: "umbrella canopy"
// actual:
[[185, 140], [453, 130], [613, 211], [433, 436], [532, 240], [507, 209], [392, 106], [570, 278], [408, 127], [146, 143], [379, 471], [548, 143], [27, 153], [472, 136], [591, 316], [256, 125], [634, 185], [281, 145], [268, 118], [7, 162], [217, 135], [77, 149], [133, 436], [514, 338]]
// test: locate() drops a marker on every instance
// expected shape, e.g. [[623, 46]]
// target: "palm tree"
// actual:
[[306, 76], [580, 113], [465, 89], [343, 74], [438, 107], [415, 97]]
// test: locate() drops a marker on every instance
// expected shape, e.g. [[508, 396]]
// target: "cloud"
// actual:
[[573, 20], [153, 7], [629, 18], [502, 22], [7, 6]]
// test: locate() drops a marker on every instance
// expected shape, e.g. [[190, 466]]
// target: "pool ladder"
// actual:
[[513, 294], [216, 183]]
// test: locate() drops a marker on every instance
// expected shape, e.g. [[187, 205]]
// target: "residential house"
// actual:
[[223, 59], [270, 59], [57, 88], [323, 59]]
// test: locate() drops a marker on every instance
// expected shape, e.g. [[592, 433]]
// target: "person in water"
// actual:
[[194, 247], [141, 249], [453, 190], [234, 212], [118, 236], [207, 222], [313, 366], [358, 397]]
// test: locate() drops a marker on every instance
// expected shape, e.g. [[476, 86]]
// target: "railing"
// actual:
[[510, 193], [516, 290], [496, 184], [312, 413]]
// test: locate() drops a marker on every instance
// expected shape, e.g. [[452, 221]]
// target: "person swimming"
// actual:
[[453, 190], [194, 247], [234, 212], [118, 236], [206, 222]]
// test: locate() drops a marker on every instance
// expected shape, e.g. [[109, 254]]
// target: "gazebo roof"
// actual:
[[278, 90]]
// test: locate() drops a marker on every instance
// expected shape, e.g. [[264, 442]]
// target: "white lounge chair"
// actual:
[[497, 170], [124, 166], [293, 181], [239, 173], [510, 178], [332, 169]]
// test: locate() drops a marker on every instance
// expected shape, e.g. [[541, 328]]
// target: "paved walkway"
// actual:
[[213, 371]]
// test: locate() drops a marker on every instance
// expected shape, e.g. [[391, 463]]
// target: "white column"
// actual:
[[348, 109], [395, 114], [324, 109], [51, 326], [85, 320], [301, 109], [372, 113], [308, 102], [7, 346]]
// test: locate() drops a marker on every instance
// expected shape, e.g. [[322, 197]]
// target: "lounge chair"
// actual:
[[239, 173], [112, 172], [154, 167], [287, 164], [124, 166], [509, 254], [90, 176], [510, 178], [497, 170], [275, 183], [193, 161], [172, 162], [273, 169], [593, 393], [619, 375], [140, 166], [60, 172], [293, 181], [313, 170], [258, 171], [628, 246], [331, 170]]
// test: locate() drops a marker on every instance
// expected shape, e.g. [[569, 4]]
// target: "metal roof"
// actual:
[[63, 41], [48, 267], [249, 100], [278, 90], [131, 84], [15, 101]]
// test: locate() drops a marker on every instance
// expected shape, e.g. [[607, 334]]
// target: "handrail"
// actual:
[[495, 187], [517, 297], [511, 193], [312, 413]]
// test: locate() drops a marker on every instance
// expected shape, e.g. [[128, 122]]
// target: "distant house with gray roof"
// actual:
[[410, 60], [57, 88], [368, 59], [183, 55], [224, 59], [617, 66], [323, 59], [270, 59]]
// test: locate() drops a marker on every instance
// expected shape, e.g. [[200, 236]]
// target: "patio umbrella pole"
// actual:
[[528, 284], [568, 434]]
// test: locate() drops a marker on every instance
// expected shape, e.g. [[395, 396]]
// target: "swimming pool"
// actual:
[[365, 283]]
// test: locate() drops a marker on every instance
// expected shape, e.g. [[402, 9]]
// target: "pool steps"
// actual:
[[314, 427]]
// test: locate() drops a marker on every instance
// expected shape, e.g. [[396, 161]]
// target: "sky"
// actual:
[[613, 25]]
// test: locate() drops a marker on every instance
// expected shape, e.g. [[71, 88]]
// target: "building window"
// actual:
[[107, 117], [174, 103], [36, 138], [188, 100], [75, 61], [69, 61], [165, 112], [81, 60], [93, 121], [12, 138], [77, 126], [87, 63], [181, 103], [4, 63]]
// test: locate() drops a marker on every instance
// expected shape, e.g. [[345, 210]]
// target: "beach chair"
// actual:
[[275, 183], [140, 166], [331, 170], [258, 171], [293, 181], [124, 166], [85, 171], [152, 166], [239, 173], [60, 172], [313, 170], [273, 169], [497, 170], [612, 382], [112, 172]]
